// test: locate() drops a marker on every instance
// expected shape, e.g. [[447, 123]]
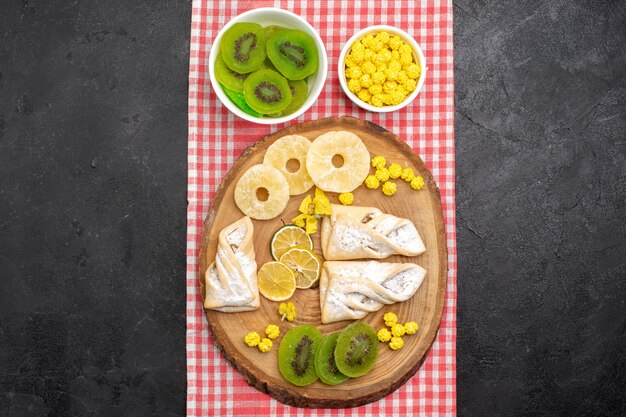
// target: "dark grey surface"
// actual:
[[93, 125], [541, 198], [92, 207]]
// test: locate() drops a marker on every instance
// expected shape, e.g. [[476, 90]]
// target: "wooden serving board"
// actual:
[[393, 368]]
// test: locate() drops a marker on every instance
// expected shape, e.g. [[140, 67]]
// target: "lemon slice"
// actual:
[[288, 237], [305, 264], [276, 281]]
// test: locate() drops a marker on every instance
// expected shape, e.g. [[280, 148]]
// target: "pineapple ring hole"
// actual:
[[262, 194], [338, 161], [292, 165]]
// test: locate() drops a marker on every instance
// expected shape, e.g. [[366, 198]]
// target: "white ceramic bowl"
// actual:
[[267, 16], [418, 55]]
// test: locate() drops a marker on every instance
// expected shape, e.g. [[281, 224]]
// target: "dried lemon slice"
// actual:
[[288, 237], [276, 281], [338, 161], [288, 154], [262, 192], [305, 265]]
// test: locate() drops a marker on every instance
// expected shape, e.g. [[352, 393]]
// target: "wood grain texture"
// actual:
[[392, 369]]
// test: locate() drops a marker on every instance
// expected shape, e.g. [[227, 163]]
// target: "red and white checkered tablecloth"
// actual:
[[217, 138]]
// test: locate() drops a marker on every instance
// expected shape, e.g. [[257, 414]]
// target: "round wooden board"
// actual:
[[393, 368]]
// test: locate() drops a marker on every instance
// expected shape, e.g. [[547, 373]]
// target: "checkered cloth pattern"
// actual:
[[217, 138]]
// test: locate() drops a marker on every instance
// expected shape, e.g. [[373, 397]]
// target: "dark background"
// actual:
[[93, 133]]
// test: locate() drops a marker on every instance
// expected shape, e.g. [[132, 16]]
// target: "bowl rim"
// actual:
[[361, 34], [322, 71]]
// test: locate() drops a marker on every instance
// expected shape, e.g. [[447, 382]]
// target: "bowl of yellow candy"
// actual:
[[381, 68]]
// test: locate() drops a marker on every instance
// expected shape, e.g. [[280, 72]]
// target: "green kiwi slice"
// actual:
[[240, 101], [356, 351], [293, 53], [266, 91], [296, 354], [325, 361], [243, 47], [227, 77], [269, 30], [299, 92]]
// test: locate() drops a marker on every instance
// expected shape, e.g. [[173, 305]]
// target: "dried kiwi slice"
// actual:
[[325, 361], [293, 53], [296, 354], [243, 47], [266, 91], [227, 77], [299, 92], [240, 101], [356, 351]]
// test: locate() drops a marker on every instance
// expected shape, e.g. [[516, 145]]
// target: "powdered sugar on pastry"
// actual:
[[351, 290]]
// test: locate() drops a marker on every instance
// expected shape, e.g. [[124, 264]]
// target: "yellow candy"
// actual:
[[357, 46], [368, 68], [346, 198], [397, 330], [366, 81], [265, 345], [391, 74], [384, 335], [413, 71], [372, 182], [390, 86], [396, 343], [411, 327], [272, 331], [407, 174], [410, 85], [378, 77], [354, 72], [390, 319], [382, 174], [354, 85], [364, 95], [252, 339], [358, 56], [376, 46], [417, 183], [383, 37], [376, 89], [395, 42], [397, 97], [379, 162], [395, 170], [406, 59], [389, 188], [402, 77], [406, 49]]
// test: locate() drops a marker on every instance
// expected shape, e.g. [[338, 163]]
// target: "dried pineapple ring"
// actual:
[[348, 176], [251, 187], [278, 155]]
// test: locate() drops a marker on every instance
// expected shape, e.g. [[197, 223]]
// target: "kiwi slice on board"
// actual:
[[296, 354], [356, 351], [243, 47], [266, 91], [227, 77], [240, 101], [293, 53], [299, 92], [325, 361]]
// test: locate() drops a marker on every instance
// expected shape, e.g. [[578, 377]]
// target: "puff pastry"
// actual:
[[351, 290], [231, 280], [354, 232]]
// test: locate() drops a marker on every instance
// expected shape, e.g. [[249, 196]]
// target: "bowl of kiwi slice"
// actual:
[[268, 65]]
